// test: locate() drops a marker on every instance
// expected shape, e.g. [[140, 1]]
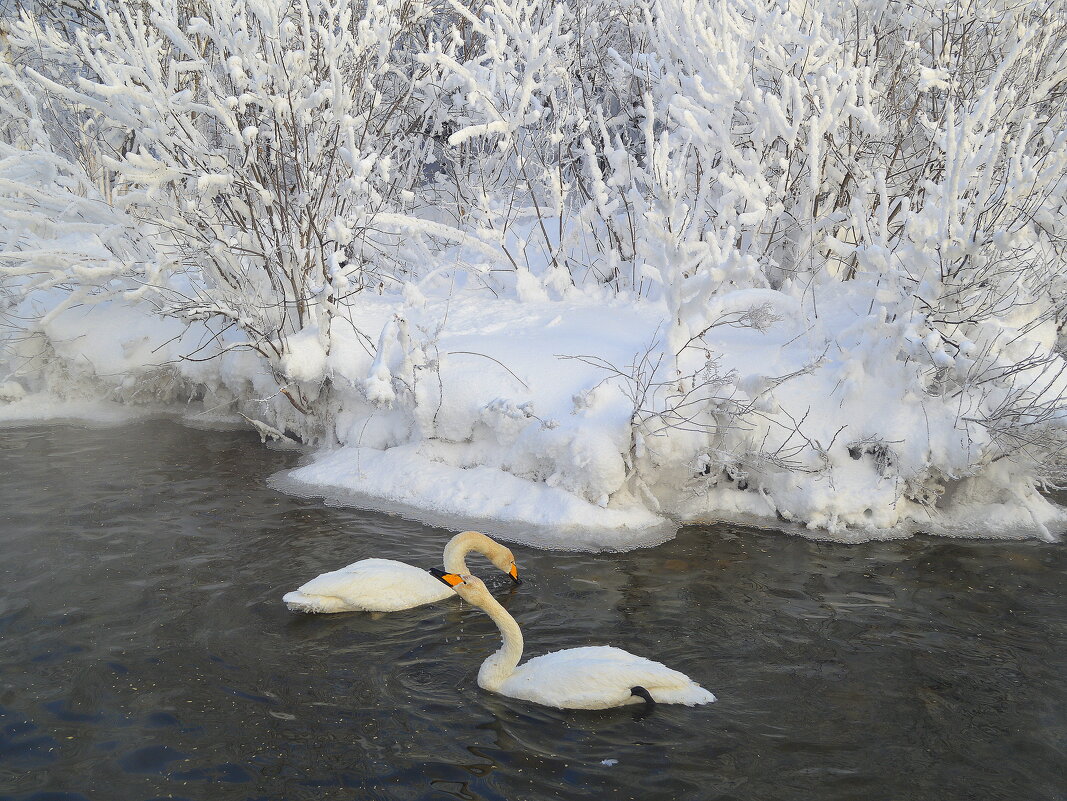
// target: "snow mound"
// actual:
[[412, 481], [531, 417], [36, 408]]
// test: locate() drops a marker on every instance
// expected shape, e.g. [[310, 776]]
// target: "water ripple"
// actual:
[[147, 653]]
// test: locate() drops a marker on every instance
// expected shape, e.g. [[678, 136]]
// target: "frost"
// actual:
[[11, 391], [933, 79], [211, 185], [552, 263]]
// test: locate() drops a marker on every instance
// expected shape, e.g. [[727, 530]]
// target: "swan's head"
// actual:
[[504, 559], [467, 586], [499, 555]]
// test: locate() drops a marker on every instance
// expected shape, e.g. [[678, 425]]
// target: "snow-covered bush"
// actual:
[[824, 202], [266, 149]]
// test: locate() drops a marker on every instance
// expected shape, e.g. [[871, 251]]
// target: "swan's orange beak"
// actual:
[[514, 573], [451, 579]]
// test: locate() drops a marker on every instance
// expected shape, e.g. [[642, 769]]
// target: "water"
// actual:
[[144, 651]]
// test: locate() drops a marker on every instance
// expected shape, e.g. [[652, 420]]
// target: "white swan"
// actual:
[[385, 585], [595, 677]]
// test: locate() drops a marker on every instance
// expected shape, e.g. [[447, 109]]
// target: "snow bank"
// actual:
[[555, 290], [38, 407], [522, 417], [411, 481]]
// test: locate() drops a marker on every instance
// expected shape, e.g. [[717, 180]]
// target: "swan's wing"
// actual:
[[373, 585], [598, 677], [373, 573]]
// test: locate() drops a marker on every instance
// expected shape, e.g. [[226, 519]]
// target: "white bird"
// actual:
[[385, 585], [594, 677]]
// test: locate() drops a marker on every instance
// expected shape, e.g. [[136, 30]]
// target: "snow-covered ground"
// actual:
[[467, 410], [574, 271]]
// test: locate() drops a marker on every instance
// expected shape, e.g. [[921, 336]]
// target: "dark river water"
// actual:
[[145, 652]]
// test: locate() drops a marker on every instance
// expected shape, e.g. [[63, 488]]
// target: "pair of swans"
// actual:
[[594, 677]]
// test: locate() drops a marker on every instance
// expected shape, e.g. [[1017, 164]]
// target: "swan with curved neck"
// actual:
[[386, 585], [593, 677], [457, 548]]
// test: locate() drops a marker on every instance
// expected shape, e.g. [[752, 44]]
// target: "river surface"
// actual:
[[145, 652]]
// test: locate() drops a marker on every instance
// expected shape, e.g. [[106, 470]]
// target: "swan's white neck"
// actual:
[[496, 669], [462, 544]]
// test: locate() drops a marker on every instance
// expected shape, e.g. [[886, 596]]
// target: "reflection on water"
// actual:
[[146, 652]]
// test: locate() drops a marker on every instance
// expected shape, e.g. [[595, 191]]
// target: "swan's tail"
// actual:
[[313, 604]]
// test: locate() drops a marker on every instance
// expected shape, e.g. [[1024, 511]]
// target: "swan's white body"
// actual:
[[369, 585], [596, 677], [385, 585]]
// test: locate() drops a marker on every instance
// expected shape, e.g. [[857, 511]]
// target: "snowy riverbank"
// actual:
[[523, 413], [572, 265]]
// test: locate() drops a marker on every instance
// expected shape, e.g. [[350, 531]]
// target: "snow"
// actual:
[[455, 423], [305, 359], [813, 282], [46, 408], [416, 482], [11, 391]]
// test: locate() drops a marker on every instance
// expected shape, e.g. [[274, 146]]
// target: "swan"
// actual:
[[593, 677], [385, 585]]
